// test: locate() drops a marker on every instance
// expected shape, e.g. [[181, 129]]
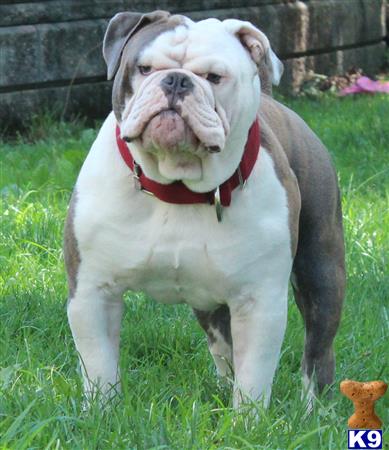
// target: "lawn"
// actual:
[[171, 397]]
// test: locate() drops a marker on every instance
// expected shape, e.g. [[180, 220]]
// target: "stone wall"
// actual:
[[50, 51]]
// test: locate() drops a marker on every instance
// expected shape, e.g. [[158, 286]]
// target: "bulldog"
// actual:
[[202, 189]]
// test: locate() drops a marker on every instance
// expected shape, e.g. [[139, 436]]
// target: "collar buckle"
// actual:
[[136, 176], [137, 183]]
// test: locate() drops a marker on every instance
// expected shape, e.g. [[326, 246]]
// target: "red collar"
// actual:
[[178, 193]]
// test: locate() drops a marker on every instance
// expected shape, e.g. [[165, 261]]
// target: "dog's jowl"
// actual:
[[202, 189]]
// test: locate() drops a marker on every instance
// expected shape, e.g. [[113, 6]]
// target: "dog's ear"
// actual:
[[258, 45], [120, 29]]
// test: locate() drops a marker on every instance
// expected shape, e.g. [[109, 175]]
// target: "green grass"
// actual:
[[171, 397]]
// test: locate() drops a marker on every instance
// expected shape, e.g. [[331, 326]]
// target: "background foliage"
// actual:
[[171, 397]]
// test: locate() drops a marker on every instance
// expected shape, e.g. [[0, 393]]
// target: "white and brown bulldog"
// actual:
[[243, 198]]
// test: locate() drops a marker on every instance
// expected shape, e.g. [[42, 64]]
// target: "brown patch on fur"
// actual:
[[218, 319], [307, 157], [264, 76], [269, 140], [319, 265], [122, 87], [120, 29], [71, 253]]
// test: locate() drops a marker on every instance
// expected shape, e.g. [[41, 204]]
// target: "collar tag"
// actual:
[[242, 182], [218, 205]]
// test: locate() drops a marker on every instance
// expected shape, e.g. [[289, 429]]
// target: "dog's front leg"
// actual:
[[257, 327], [95, 317]]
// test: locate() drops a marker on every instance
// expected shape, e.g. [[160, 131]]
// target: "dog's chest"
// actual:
[[178, 263], [181, 253], [186, 260], [189, 260]]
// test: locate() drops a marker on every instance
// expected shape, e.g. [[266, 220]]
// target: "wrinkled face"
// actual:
[[184, 93]]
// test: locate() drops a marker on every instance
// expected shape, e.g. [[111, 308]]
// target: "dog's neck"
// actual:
[[178, 192]]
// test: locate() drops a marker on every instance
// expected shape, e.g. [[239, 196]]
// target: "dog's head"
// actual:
[[185, 92]]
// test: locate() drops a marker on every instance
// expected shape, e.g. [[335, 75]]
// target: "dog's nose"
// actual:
[[176, 83]]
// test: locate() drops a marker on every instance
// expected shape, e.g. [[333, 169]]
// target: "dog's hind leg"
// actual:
[[218, 328], [319, 281]]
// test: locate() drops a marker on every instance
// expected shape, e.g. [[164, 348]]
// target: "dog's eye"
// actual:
[[214, 78], [144, 70]]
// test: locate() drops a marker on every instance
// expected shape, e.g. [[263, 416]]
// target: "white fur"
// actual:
[[180, 253], [308, 392]]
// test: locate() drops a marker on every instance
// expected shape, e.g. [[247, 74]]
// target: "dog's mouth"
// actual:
[[173, 146], [166, 130]]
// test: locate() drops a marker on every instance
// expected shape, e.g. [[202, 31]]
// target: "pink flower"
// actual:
[[366, 86]]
